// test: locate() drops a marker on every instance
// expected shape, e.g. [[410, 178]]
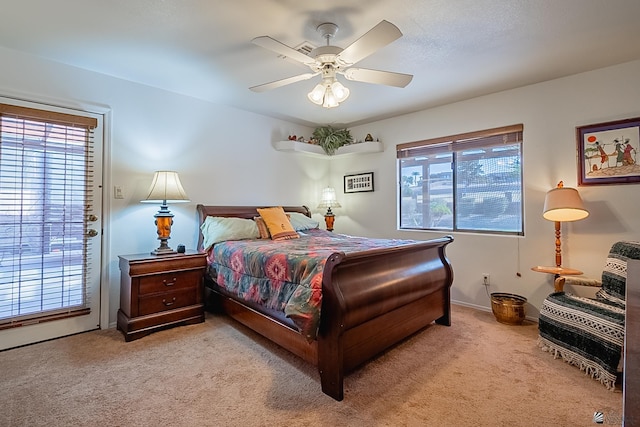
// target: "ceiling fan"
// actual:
[[329, 61]]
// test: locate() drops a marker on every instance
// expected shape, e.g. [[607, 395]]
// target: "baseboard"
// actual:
[[475, 306], [454, 302], [487, 309]]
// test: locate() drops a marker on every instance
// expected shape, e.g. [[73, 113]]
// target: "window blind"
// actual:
[[46, 172], [466, 141]]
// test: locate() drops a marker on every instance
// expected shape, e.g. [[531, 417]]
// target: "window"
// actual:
[[469, 182], [46, 181]]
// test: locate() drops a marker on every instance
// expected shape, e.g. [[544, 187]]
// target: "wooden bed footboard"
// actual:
[[376, 299], [371, 300]]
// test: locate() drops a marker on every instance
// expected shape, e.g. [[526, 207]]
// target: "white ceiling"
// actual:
[[456, 49]]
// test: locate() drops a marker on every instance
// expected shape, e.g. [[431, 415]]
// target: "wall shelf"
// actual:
[[317, 151]]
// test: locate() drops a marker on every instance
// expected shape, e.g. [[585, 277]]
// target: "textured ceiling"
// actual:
[[456, 49]]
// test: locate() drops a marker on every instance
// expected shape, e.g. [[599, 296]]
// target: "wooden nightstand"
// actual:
[[160, 291]]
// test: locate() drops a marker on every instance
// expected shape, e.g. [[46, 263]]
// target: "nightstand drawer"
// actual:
[[167, 301], [169, 282]]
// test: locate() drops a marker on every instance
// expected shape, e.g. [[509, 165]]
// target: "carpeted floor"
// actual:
[[477, 372]]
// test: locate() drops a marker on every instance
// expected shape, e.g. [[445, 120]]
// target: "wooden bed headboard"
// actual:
[[247, 212]]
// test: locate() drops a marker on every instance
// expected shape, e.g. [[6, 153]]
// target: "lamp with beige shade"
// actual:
[[562, 204], [165, 188]]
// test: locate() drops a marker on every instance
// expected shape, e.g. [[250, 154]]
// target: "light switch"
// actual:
[[117, 192]]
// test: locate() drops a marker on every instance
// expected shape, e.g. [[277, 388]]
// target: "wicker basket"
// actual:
[[508, 308]]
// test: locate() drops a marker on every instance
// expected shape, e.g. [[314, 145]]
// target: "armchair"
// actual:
[[589, 332]]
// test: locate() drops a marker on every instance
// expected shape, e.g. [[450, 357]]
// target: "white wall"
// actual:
[[223, 155], [550, 112]]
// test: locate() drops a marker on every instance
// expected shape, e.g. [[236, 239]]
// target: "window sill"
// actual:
[[317, 151]]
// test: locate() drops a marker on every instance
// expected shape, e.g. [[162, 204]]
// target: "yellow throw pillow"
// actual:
[[278, 224], [262, 226]]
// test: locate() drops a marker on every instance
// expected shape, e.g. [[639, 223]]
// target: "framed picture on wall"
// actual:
[[358, 183], [608, 152]]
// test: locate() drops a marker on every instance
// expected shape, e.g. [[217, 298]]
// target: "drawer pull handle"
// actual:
[[170, 303], [171, 283]]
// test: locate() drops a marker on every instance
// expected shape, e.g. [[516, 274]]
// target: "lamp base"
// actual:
[[167, 251], [164, 221], [163, 249], [328, 219]]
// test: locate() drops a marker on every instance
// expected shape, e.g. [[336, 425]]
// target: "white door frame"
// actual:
[[49, 330]]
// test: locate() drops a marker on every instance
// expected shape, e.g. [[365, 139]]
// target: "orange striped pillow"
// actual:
[[262, 227], [278, 223]]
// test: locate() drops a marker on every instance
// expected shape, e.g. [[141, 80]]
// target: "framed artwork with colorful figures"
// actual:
[[608, 152]]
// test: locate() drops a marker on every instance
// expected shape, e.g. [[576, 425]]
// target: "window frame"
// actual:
[[452, 147]]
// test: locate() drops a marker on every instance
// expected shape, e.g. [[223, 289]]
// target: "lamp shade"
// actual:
[[166, 188], [329, 93], [329, 199], [330, 100], [317, 94], [564, 204], [340, 92]]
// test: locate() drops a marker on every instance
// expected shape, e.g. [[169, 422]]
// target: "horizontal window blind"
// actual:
[[462, 142], [46, 172]]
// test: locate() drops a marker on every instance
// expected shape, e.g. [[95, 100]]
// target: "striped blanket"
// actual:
[[589, 332]]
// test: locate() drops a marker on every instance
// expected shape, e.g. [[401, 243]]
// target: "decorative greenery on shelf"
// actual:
[[330, 139]]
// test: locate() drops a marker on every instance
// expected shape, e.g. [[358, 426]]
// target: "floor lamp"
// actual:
[[563, 204]]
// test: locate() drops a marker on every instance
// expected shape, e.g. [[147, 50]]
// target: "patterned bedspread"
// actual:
[[285, 275]]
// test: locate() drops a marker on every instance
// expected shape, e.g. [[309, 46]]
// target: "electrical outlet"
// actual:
[[486, 280]]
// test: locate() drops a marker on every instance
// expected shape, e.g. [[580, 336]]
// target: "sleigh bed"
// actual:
[[370, 299]]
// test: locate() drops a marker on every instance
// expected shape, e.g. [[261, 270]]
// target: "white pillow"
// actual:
[[218, 229], [301, 222]]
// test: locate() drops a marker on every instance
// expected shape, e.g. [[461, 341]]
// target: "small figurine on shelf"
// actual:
[[368, 138], [301, 139], [292, 138]]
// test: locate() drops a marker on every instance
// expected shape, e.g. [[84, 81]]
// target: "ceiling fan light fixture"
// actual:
[[317, 94], [341, 93], [327, 94], [330, 100]]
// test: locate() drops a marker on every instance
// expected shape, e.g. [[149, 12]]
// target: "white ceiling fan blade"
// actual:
[[277, 47], [377, 37], [378, 77], [283, 82]]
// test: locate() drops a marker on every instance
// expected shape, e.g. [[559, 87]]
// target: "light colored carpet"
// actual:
[[477, 372]]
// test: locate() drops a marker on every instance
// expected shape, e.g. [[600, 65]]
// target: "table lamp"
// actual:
[[328, 200], [165, 188]]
